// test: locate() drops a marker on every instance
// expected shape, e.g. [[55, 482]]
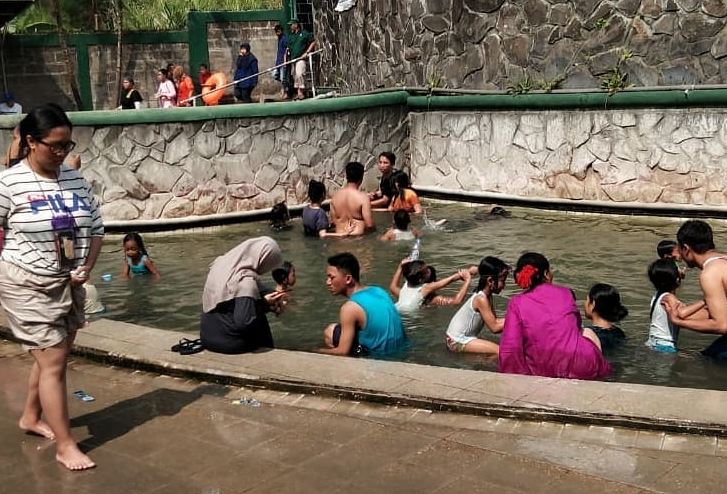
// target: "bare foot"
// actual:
[[73, 458], [39, 428]]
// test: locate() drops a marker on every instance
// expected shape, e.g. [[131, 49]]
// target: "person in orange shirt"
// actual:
[[405, 199], [185, 86]]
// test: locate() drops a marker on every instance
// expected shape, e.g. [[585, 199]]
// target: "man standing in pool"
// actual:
[[350, 207], [696, 246], [369, 321]]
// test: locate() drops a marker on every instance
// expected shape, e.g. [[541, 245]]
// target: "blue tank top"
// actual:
[[139, 268], [384, 332]]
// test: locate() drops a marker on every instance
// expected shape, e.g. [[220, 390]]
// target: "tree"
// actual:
[[70, 65]]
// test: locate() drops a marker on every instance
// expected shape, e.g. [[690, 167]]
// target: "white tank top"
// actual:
[[661, 331], [403, 234], [410, 298], [466, 322]]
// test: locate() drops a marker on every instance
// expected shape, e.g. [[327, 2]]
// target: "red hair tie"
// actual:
[[524, 278]]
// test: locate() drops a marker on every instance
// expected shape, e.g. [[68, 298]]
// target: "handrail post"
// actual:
[[312, 75]]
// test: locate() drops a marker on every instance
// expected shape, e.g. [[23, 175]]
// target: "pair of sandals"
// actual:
[[188, 347]]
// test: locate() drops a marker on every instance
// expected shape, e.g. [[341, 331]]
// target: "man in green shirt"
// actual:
[[300, 44]]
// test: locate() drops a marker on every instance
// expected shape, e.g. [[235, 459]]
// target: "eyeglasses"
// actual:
[[60, 147]]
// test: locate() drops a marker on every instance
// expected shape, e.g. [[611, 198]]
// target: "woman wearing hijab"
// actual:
[[246, 68], [234, 302]]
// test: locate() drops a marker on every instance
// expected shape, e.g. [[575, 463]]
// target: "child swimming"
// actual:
[[668, 249], [401, 229], [665, 277], [479, 311], [604, 308], [421, 285], [137, 260], [280, 216], [315, 219]]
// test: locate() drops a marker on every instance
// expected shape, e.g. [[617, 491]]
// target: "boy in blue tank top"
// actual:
[[369, 321]]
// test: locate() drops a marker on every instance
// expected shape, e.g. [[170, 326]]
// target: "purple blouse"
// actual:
[[543, 337]]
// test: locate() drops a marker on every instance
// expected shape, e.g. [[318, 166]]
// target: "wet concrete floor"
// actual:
[[156, 434]]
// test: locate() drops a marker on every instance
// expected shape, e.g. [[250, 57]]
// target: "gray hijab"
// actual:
[[236, 273]]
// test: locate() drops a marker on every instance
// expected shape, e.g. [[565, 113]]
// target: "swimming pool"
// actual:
[[583, 249]]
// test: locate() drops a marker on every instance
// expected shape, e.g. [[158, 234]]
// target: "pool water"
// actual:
[[583, 250]]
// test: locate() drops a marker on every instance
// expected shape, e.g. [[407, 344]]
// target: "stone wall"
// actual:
[[173, 170], [141, 62], [648, 156], [490, 44], [37, 75]]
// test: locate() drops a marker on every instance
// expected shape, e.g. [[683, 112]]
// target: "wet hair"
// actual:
[[697, 234], [402, 220], [401, 181], [490, 267], [665, 248], [389, 156], [347, 263], [280, 275], [136, 238], [416, 273], [39, 122], [607, 302], [664, 275], [279, 215], [529, 278], [499, 211], [354, 172], [316, 191]]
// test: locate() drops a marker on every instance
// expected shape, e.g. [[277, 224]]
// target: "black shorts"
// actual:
[[356, 347]]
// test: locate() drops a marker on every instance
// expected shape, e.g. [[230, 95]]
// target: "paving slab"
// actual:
[[608, 404]]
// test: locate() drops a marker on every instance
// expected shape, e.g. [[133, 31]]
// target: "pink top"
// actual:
[[542, 337]]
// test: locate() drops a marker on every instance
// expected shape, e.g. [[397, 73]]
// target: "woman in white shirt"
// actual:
[[166, 93]]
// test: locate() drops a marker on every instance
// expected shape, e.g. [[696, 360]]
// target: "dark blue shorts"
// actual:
[[356, 348]]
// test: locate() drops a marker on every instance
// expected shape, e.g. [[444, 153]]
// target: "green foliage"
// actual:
[[615, 80], [523, 86], [138, 15], [601, 23], [548, 85]]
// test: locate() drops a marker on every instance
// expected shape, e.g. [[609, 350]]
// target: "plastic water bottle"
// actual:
[[415, 250]]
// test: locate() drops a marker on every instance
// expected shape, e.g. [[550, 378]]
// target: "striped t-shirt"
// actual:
[[29, 202]]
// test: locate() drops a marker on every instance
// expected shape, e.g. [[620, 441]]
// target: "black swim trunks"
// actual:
[[356, 348]]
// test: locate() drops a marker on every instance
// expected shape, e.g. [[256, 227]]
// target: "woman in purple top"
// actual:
[[542, 334]]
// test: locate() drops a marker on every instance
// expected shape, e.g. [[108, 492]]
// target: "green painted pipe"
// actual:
[[548, 101], [202, 113]]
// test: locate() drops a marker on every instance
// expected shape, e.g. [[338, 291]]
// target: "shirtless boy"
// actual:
[[351, 208], [696, 247]]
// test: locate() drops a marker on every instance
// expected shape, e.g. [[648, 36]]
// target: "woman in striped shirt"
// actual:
[[53, 234]]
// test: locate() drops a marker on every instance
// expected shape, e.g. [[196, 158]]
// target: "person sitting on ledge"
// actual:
[[369, 322], [542, 333], [234, 300], [350, 207]]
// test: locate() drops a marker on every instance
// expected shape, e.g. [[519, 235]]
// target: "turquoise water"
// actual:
[[583, 249]]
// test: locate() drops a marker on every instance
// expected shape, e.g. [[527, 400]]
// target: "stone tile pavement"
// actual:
[[485, 393], [152, 433]]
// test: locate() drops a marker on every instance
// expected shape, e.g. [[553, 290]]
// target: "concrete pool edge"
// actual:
[[643, 407]]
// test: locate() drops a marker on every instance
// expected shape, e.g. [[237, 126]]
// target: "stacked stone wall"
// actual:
[[174, 170], [646, 156], [493, 44]]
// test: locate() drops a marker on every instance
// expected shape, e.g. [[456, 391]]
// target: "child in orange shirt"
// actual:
[[405, 199]]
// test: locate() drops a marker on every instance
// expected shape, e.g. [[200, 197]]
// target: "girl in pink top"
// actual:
[[542, 334]]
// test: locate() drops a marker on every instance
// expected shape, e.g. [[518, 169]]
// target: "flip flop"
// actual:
[[178, 346], [190, 347]]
